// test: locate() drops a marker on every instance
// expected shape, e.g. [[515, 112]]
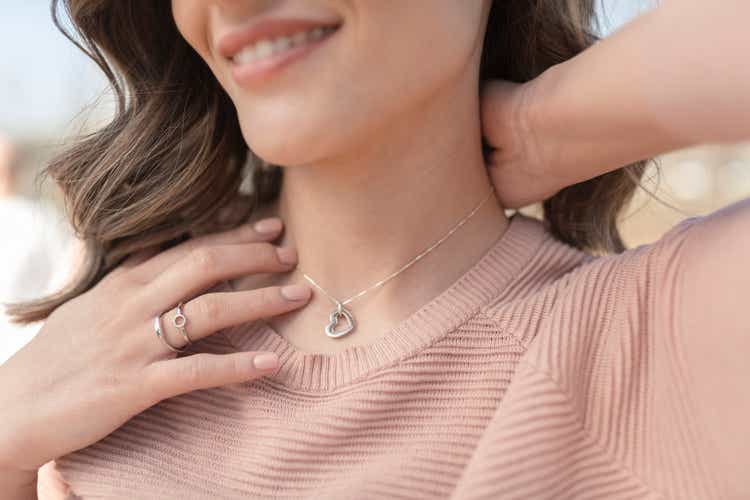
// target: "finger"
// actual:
[[263, 230], [208, 265], [138, 258], [131, 261], [171, 377], [211, 312]]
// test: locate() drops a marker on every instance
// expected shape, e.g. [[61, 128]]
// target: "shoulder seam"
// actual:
[[569, 400], [482, 313]]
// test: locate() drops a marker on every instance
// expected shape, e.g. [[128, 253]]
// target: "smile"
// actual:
[[261, 59], [270, 47]]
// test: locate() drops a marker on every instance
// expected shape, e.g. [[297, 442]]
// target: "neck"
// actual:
[[357, 218]]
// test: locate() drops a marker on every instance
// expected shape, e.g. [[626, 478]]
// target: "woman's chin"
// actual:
[[285, 157], [287, 151]]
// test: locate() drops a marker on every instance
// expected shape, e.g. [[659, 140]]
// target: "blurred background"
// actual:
[[49, 92]]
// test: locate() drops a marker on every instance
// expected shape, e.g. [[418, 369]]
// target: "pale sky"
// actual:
[[45, 81]]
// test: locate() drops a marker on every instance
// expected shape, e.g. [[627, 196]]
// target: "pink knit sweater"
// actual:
[[542, 372]]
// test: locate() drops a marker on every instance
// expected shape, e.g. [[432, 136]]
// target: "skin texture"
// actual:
[[380, 140]]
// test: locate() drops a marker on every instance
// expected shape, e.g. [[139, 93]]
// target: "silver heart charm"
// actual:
[[334, 319]]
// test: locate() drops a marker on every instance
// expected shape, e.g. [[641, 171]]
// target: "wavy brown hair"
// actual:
[[172, 161]]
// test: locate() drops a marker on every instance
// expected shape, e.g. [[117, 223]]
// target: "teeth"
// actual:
[[299, 37], [282, 43], [268, 47], [264, 48]]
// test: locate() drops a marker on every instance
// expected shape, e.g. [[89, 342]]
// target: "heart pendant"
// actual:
[[334, 319]]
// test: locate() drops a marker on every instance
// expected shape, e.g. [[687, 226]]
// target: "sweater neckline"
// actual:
[[484, 281]]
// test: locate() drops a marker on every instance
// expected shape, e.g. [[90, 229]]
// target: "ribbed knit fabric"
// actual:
[[543, 372]]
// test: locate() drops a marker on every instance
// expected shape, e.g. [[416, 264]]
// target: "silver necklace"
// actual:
[[342, 312]]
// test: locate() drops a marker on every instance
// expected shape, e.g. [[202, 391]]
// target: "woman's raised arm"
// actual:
[[674, 77]]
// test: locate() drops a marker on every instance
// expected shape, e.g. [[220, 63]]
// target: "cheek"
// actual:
[[401, 52], [391, 58], [191, 18]]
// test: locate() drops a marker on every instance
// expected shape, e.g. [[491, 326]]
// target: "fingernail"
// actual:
[[295, 292], [287, 255], [266, 361], [270, 225]]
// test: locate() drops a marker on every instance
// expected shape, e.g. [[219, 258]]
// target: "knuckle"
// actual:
[[209, 308], [115, 274], [238, 367], [264, 252], [119, 278], [111, 381], [267, 299], [204, 259], [193, 372], [189, 246], [153, 387], [149, 396]]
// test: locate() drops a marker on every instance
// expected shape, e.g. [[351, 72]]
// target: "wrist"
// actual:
[[583, 126], [546, 118]]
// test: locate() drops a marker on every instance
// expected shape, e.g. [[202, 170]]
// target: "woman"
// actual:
[[488, 357]]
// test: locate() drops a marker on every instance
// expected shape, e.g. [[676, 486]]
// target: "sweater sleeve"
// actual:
[[673, 457], [701, 312], [674, 446], [624, 392]]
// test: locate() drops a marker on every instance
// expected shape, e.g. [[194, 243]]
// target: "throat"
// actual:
[[382, 309]]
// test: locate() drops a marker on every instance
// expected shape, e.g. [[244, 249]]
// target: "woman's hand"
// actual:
[[97, 362], [521, 164]]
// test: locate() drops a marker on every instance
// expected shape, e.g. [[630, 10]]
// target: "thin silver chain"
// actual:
[[411, 262]]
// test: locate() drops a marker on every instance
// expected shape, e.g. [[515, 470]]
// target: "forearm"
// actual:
[[672, 78], [18, 485]]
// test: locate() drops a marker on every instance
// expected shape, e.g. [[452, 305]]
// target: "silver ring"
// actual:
[[179, 322], [160, 334]]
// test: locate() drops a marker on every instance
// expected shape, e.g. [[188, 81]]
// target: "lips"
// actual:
[[231, 43]]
